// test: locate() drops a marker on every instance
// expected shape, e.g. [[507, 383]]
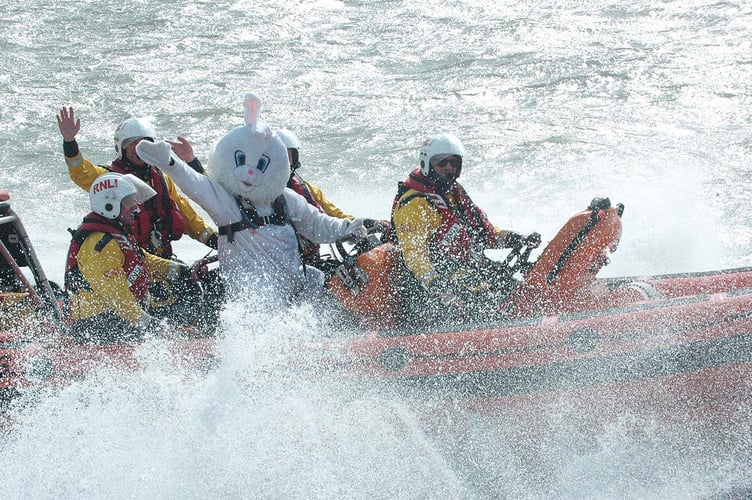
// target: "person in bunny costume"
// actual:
[[259, 218]]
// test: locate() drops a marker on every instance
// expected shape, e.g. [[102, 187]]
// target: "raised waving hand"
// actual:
[[68, 124]]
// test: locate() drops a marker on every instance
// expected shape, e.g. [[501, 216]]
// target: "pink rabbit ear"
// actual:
[[252, 107]]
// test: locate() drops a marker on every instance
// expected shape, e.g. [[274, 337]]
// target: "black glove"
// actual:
[[199, 269], [384, 225], [374, 225], [194, 272]]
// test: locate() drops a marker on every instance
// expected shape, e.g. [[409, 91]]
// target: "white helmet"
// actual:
[[131, 129], [438, 147], [291, 142], [289, 139], [108, 190]]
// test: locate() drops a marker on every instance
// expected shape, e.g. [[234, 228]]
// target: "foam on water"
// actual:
[[255, 426], [268, 421]]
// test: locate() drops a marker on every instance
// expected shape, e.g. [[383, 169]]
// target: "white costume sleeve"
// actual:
[[212, 197], [312, 223]]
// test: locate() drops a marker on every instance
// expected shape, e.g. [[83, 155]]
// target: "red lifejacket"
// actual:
[[464, 227], [160, 221], [134, 268], [299, 186], [309, 250]]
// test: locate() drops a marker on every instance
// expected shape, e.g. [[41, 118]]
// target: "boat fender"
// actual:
[[394, 358], [597, 208]]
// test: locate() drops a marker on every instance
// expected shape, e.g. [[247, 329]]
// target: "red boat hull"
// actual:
[[565, 328], [58, 359], [577, 332]]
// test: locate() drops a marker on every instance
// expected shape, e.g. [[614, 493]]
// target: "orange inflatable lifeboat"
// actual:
[[563, 325]]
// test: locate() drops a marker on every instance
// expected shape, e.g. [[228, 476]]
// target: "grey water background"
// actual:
[[646, 102]]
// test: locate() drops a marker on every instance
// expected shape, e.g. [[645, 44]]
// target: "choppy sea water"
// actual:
[[557, 102]]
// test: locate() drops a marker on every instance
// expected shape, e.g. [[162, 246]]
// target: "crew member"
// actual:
[[107, 273], [166, 216], [310, 252], [441, 234]]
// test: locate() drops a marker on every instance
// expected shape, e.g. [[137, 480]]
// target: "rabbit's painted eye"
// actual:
[[263, 163], [239, 159]]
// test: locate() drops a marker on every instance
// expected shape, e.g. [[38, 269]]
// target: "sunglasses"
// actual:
[[449, 161]]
